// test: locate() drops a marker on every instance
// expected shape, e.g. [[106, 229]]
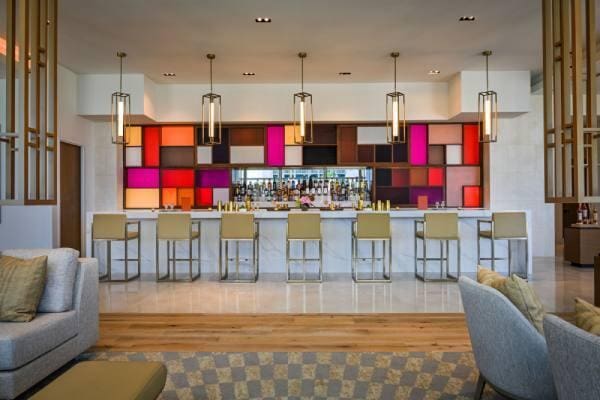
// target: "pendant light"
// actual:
[[395, 115], [487, 108], [303, 110], [120, 108], [211, 112]]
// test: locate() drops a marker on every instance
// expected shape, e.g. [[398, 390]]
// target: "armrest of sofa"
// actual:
[[85, 302]]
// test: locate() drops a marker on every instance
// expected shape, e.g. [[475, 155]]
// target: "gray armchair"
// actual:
[[575, 359], [510, 354]]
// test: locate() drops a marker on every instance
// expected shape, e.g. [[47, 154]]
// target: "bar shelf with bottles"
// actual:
[[283, 187]]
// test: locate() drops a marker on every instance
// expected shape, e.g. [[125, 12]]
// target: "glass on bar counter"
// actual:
[[324, 185]]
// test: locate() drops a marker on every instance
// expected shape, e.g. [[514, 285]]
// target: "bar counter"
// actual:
[[336, 234]]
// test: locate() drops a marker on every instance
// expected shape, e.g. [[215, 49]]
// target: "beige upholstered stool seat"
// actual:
[[115, 228], [372, 227], [103, 380], [238, 227], [304, 227], [173, 228], [441, 227], [504, 225]]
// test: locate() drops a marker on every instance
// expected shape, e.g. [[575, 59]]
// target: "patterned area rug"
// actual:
[[266, 375]]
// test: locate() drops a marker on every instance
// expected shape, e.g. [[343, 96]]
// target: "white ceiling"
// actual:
[[339, 35]]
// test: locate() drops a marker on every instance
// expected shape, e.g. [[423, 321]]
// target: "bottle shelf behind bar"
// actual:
[[324, 185]]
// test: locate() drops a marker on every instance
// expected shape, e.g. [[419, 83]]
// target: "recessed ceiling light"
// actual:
[[248, 73], [344, 73], [434, 72], [169, 74], [263, 20], [467, 18]]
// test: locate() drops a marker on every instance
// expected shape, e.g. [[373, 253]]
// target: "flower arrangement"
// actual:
[[305, 203]]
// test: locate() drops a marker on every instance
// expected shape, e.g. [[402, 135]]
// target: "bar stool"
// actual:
[[372, 227], [444, 228], [304, 227], [177, 228], [503, 226], [238, 227], [115, 228]]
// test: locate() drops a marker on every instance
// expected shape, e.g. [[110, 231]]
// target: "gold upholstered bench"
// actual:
[[101, 380]]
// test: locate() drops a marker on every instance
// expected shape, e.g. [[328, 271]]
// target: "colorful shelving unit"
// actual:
[[165, 165]]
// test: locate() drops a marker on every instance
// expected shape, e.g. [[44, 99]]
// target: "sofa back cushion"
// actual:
[[21, 286], [60, 276]]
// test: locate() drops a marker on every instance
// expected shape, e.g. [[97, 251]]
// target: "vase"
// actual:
[[304, 207]]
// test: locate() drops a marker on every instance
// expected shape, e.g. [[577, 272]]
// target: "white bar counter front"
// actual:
[[336, 229]]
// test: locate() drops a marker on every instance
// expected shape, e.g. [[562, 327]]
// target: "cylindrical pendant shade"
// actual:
[[211, 119], [303, 118], [396, 117], [119, 113], [488, 116]]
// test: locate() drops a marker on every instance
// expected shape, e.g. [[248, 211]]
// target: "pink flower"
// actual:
[[305, 200]]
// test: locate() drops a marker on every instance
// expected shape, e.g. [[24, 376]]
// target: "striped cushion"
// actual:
[[21, 286], [587, 317]]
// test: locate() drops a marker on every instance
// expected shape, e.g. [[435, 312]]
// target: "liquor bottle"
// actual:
[[585, 213], [595, 216], [579, 214], [326, 188]]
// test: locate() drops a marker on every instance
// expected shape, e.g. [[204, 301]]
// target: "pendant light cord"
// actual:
[[487, 77], [301, 74], [395, 68], [121, 74], [211, 77]]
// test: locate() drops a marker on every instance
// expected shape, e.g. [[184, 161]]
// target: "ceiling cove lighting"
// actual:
[[467, 18], [303, 110], [120, 108], [211, 112], [262, 20], [487, 108], [395, 114]]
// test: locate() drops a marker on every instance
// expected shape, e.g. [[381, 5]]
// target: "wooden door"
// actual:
[[70, 196]]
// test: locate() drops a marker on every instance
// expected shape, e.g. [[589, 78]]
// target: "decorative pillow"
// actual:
[[587, 317], [61, 273], [21, 286], [487, 277], [524, 298]]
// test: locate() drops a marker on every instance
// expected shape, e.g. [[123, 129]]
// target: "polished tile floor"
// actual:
[[554, 281]]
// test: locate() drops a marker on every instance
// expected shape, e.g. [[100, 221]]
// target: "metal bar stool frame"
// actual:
[[492, 238], [255, 256], [172, 256], [107, 277], [441, 258], [303, 260], [384, 240]]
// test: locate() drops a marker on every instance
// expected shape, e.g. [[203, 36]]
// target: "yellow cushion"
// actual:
[[101, 380], [304, 226], [488, 277], [132, 235], [587, 317], [518, 292], [22, 283]]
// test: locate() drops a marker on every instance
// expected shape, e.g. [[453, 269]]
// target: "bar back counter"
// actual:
[[336, 230]]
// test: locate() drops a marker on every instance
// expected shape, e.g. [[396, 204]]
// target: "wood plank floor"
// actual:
[[283, 332]]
